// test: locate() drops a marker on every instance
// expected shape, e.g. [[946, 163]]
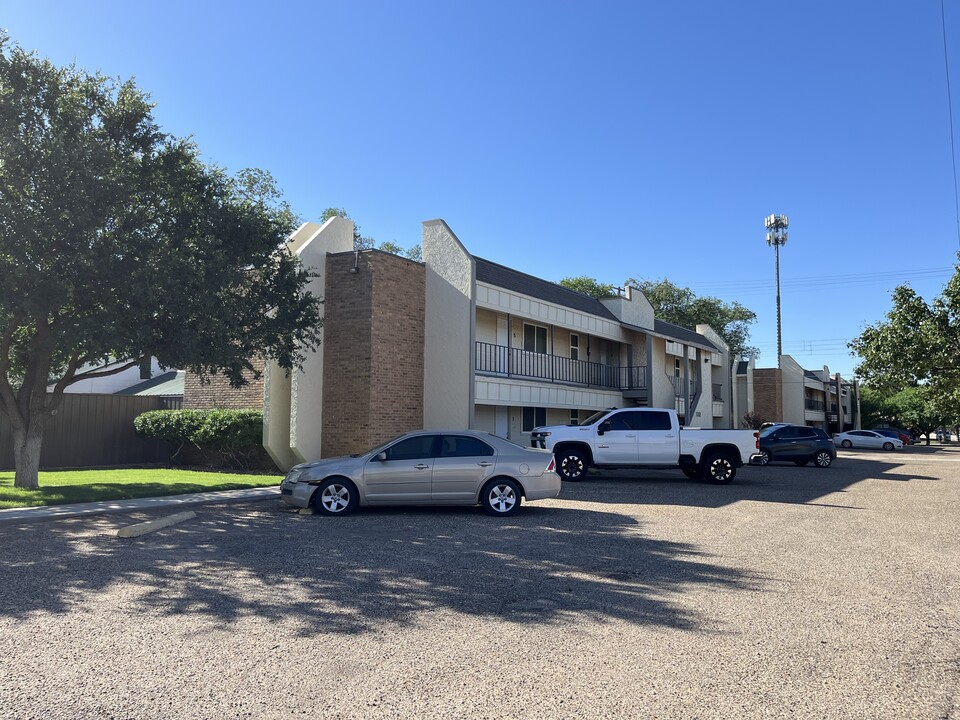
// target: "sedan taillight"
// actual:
[[552, 466]]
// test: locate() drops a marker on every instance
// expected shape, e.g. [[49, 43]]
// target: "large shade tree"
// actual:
[[682, 306], [117, 243], [913, 355]]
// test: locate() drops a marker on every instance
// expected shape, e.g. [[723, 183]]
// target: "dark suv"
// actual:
[[797, 443]]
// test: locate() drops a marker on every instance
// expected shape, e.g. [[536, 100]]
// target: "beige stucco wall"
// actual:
[[293, 402], [792, 382], [632, 308], [449, 329]]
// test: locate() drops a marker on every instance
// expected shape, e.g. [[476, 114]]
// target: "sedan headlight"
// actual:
[[293, 477]]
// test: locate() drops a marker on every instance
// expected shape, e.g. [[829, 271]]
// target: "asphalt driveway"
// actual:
[[794, 592]]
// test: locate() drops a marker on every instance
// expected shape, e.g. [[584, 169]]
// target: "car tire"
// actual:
[[335, 496], [719, 469], [572, 464], [888, 446], [501, 497], [694, 472], [801, 463], [823, 459], [764, 458], [846, 444]]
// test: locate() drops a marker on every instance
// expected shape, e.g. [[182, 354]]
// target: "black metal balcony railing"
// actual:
[[816, 405], [515, 362]]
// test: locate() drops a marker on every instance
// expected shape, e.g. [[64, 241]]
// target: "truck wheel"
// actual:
[[719, 469], [694, 472], [572, 464]]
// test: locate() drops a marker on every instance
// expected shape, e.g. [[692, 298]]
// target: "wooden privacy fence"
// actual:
[[90, 430]]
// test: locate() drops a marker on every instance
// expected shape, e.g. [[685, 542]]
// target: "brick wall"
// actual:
[[217, 393], [768, 393], [373, 350]]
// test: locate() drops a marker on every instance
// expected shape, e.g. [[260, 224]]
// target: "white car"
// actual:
[[866, 439]]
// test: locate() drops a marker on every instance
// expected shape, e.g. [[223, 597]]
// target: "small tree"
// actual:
[[117, 242], [589, 286], [753, 420]]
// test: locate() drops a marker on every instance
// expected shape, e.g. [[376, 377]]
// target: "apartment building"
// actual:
[[816, 398], [462, 342]]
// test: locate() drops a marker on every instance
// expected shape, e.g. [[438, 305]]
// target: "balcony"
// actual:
[[815, 405], [511, 362]]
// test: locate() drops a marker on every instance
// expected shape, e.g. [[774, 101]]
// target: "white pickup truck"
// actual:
[[645, 437]]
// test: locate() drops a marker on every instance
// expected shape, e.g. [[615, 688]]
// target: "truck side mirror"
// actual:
[[603, 427]]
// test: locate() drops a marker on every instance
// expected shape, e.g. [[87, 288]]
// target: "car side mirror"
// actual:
[[381, 456], [602, 428]]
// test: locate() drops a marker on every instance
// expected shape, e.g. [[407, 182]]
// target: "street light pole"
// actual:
[[777, 235]]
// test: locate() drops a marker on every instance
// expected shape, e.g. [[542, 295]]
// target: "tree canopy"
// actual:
[[912, 358], [589, 286], [118, 243], [368, 243], [682, 306]]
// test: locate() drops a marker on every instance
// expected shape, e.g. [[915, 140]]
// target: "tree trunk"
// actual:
[[27, 441]]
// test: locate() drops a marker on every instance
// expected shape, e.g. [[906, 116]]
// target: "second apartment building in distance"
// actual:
[[815, 398], [461, 342]]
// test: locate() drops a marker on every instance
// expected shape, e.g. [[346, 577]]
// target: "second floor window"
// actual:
[[574, 346], [534, 338]]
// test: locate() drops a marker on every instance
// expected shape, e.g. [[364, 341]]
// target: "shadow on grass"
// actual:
[[354, 574], [50, 493]]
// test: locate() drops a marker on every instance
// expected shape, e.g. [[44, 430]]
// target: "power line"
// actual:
[[953, 152]]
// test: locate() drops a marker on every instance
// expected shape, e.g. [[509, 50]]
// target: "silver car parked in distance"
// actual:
[[427, 467]]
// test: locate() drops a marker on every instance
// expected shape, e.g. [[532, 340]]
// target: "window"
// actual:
[[652, 421], [415, 448], [533, 417], [618, 421], [463, 446], [534, 338], [676, 367], [574, 417], [805, 432], [574, 346]]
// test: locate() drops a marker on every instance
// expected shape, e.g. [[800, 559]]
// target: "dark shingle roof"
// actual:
[[509, 279], [681, 333], [494, 274]]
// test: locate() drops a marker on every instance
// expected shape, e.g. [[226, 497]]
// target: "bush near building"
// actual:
[[232, 438]]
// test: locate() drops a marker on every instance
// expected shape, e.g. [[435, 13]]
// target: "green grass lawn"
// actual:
[[58, 487]]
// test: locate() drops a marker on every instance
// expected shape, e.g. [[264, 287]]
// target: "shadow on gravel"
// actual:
[[360, 573], [776, 483]]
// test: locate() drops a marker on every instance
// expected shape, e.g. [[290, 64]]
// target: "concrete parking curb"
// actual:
[[132, 531], [118, 506]]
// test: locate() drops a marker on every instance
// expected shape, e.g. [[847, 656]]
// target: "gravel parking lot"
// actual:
[[793, 593]]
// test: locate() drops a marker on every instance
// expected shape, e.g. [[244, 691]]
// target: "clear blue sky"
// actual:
[[635, 139]]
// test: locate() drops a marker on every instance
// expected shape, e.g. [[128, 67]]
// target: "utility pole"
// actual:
[[777, 235]]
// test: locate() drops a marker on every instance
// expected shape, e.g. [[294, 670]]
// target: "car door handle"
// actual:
[[603, 446], [421, 467], [484, 464]]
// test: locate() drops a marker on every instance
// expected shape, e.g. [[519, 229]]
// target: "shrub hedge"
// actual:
[[235, 434]]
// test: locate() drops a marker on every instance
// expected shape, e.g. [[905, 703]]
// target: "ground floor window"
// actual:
[[533, 417], [574, 417]]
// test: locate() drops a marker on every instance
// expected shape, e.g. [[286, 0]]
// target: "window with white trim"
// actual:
[[574, 346], [534, 338]]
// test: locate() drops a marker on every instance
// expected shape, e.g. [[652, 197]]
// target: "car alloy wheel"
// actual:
[[764, 458], [335, 497], [501, 497], [846, 444], [888, 446], [823, 459]]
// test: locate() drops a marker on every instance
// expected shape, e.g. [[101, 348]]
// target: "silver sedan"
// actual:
[[429, 467]]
